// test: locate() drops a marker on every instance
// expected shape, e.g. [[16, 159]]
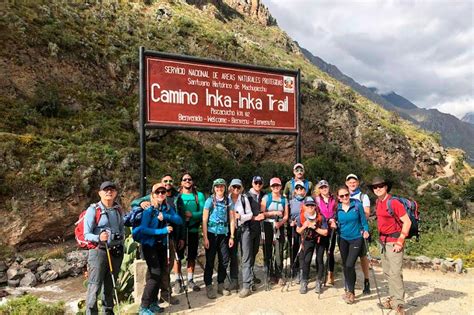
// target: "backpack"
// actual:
[[270, 200], [134, 217], [138, 214], [411, 208], [79, 229], [306, 187]]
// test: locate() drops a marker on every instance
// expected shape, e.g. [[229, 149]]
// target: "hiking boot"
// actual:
[[244, 293], [298, 277], [234, 285], [178, 287], [400, 310], [281, 282], [155, 308], [145, 311], [222, 290], [165, 296], [253, 288], [317, 289], [349, 298], [330, 280], [256, 280], [366, 287], [304, 287], [193, 286], [211, 294]]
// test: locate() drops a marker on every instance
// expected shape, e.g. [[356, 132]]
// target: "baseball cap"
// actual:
[[309, 201], [219, 181], [275, 180], [107, 184], [299, 183], [236, 182], [257, 179], [352, 176], [323, 183], [157, 186], [298, 165]]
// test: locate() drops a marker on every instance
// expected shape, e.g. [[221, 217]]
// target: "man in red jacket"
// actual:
[[393, 229]]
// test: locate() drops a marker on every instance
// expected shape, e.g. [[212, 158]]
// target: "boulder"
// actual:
[[437, 261], [77, 256], [60, 267], [15, 272], [30, 263], [29, 280], [49, 275], [458, 265], [45, 267], [3, 278], [14, 283], [423, 260], [3, 266]]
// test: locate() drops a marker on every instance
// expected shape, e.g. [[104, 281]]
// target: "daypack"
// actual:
[[136, 231], [134, 217], [79, 229], [411, 208], [270, 200], [306, 186]]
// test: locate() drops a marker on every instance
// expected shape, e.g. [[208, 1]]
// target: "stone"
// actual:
[[3, 266], [30, 263], [450, 259], [423, 260], [77, 256], [14, 283], [139, 272], [60, 267], [29, 280], [49, 275], [458, 265], [437, 261], [16, 272], [3, 278]]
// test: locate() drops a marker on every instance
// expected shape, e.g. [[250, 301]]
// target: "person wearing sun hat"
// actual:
[[392, 233], [298, 172]]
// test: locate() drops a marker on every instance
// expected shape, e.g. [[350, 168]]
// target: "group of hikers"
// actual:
[[290, 223]]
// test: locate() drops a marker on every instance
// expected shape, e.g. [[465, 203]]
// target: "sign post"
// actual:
[[187, 93]]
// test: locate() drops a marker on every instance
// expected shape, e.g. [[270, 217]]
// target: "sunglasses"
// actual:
[[168, 181], [299, 188], [299, 170], [235, 187], [379, 186], [187, 179], [109, 189], [258, 183], [275, 186], [160, 192], [323, 187], [344, 196]]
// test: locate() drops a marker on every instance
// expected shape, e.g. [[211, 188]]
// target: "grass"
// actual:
[[30, 305]]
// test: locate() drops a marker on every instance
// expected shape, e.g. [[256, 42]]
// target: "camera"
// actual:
[[116, 237]]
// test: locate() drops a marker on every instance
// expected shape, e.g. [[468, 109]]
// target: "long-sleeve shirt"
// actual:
[[245, 211], [110, 221], [152, 229], [352, 222]]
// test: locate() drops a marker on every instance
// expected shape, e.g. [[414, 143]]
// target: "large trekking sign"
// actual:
[[215, 95], [188, 93]]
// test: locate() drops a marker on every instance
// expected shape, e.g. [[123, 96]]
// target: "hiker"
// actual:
[[108, 233], [311, 225], [351, 222], [298, 171], [218, 230], [294, 238], [254, 195], [177, 235], [392, 233], [155, 240], [353, 183], [275, 209], [327, 204], [191, 204], [243, 215]]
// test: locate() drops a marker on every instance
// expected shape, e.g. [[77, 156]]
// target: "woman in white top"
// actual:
[[274, 206], [243, 215]]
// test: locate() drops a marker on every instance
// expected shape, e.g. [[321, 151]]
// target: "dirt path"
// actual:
[[448, 172]]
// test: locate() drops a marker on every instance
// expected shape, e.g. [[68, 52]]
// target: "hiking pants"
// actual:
[[349, 253], [306, 256], [250, 239], [155, 257], [165, 275], [99, 275], [392, 268], [275, 263], [234, 255], [295, 238], [218, 244], [325, 240]]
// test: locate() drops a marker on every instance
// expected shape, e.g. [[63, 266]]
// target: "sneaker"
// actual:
[[178, 287], [317, 289], [145, 311], [253, 288], [222, 290], [400, 310], [211, 294], [234, 285], [366, 287], [386, 303], [155, 308], [165, 296], [304, 287], [281, 282], [256, 280], [244, 292], [193, 286], [298, 277]]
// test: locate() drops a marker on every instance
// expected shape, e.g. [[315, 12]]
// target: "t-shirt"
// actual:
[[289, 188], [295, 208], [218, 222], [189, 204], [365, 199], [275, 205], [387, 223]]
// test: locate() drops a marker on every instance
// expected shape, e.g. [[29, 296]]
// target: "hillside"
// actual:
[[70, 109], [469, 118]]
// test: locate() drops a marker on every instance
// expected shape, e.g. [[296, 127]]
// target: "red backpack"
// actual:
[[79, 229]]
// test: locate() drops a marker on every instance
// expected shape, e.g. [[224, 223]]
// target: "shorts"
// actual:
[[193, 243]]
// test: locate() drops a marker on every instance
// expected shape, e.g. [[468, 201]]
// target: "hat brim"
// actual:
[[387, 183]]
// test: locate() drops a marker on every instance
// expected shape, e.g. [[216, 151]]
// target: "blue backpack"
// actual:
[[134, 217]]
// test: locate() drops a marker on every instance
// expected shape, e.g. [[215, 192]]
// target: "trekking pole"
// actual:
[[180, 276], [168, 264], [285, 266], [265, 265], [112, 275], [326, 265], [373, 274]]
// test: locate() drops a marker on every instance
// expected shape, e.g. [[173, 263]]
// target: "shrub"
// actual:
[[30, 304], [445, 193]]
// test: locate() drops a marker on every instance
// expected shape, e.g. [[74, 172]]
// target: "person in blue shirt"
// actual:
[[154, 237], [352, 228], [218, 228]]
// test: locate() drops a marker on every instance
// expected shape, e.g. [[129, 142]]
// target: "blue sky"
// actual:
[[422, 50]]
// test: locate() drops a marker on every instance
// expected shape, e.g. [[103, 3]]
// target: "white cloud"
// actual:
[[423, 50]]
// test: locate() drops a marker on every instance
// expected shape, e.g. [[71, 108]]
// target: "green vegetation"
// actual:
[[30, 305]]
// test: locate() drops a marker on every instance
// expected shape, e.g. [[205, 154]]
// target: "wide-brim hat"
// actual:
[[377, 180]]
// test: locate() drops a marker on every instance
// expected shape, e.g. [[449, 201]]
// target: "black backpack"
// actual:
[[411, 208]]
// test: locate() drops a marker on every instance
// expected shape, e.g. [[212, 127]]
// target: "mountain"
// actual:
[[469, 118], [453, 132], [69, 108]]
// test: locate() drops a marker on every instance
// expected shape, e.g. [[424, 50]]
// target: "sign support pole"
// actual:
[[298, 117], [142, 123]]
